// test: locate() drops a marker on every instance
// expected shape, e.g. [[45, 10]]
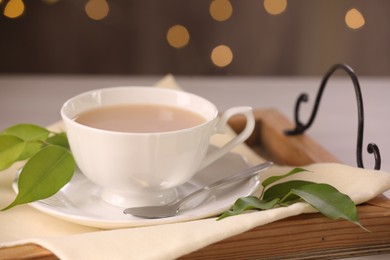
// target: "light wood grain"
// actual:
[[26, 252], [269, 140], [309, 236]]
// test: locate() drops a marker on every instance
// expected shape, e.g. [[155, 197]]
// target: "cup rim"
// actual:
[[68, 119]]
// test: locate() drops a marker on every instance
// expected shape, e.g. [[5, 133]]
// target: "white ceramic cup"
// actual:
[[135, 169]]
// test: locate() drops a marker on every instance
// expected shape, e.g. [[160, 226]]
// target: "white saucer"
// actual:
[[79, 201]]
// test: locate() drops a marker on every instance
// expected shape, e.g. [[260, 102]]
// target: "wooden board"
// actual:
[[308, 236], [268, 139]]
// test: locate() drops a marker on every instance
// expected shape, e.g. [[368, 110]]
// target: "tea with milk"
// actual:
[[139, 118]]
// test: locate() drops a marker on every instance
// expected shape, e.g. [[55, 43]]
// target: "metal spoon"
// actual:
[[169, 210]]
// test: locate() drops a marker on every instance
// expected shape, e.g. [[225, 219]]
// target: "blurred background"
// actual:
[[194, 37]]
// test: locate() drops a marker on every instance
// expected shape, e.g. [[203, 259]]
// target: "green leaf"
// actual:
[[253, 202], [329, 201], [324, 197], [32, 134], [44, 175], [283, 189], [248, 203], [273, 179], [229, 213], [28, 132], [29, 150], [59, 139], [11, 148]]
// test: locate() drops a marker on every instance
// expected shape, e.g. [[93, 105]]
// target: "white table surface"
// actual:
[[37, 99]]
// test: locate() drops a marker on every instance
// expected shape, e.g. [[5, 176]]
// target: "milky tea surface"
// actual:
[[139, 118]]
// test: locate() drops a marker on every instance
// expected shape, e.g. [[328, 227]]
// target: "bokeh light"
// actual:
[[354, 19], [221, 10], [14, 8], [178, 36], [275, 7], [222, 56], [97, 9]]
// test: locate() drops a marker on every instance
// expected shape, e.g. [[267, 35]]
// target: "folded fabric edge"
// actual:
[[173, 242]]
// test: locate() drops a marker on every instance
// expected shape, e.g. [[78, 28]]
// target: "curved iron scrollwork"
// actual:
[[301, 128]]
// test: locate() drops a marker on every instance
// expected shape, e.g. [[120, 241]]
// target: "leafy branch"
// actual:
[[50, 164], [323, 197]]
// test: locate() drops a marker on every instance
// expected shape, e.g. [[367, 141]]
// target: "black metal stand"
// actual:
[[301, 128]]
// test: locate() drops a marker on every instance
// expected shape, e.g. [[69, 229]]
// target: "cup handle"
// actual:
[[221, 128]]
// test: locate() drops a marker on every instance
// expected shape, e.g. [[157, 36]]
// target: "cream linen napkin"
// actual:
[[24, 224]]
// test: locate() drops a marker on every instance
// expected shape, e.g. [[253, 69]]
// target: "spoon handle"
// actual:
[[244, 174]]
